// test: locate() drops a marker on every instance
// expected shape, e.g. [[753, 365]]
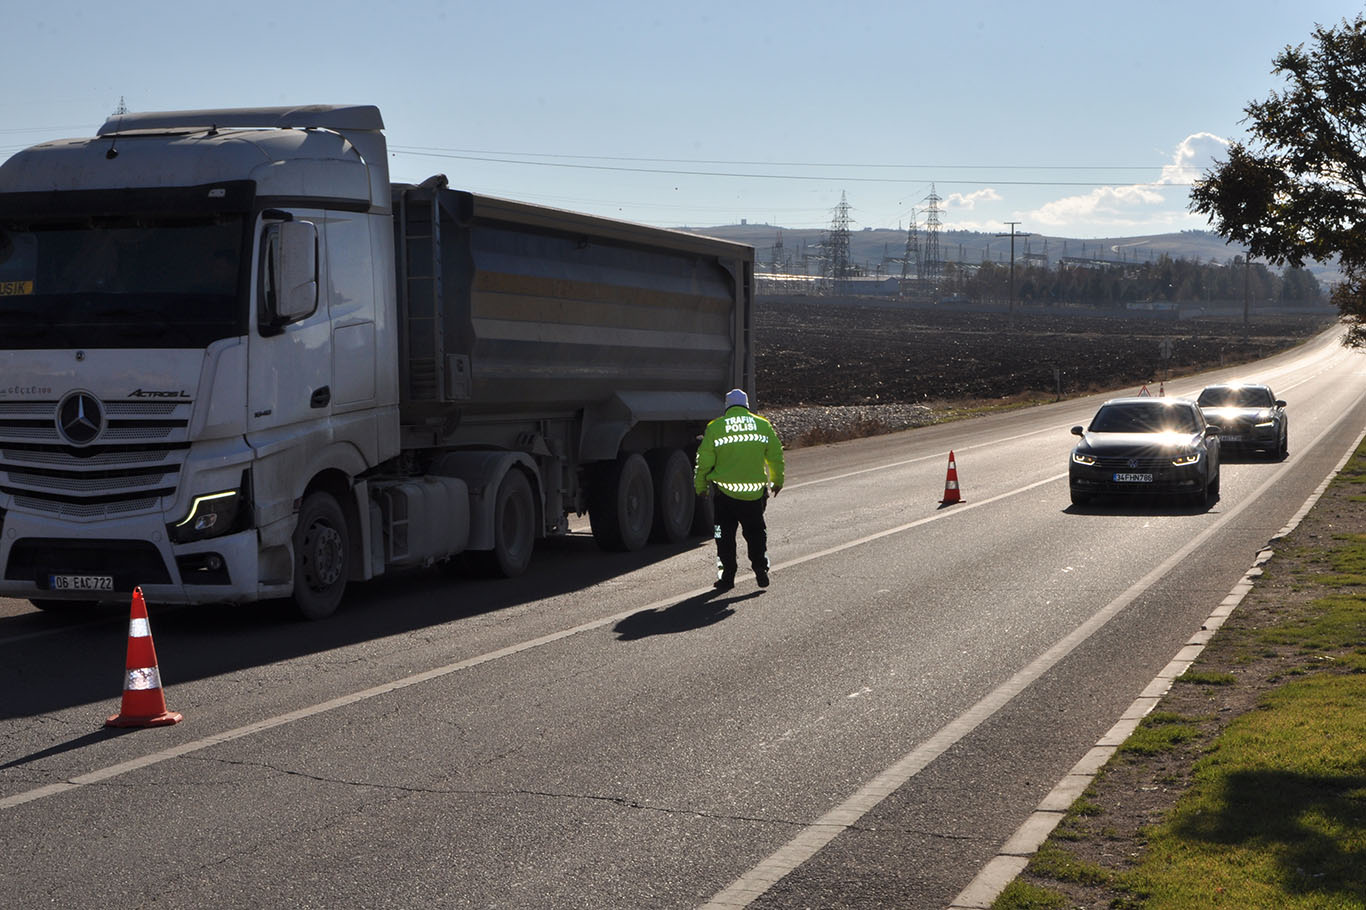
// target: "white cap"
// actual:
[[737, 396]]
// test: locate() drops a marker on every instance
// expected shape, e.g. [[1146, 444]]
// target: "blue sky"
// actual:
[[1073, 119]]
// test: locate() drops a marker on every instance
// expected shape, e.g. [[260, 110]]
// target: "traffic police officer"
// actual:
[[740, 457]]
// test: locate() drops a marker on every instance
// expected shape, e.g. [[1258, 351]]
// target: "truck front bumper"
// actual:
[[47, 559]]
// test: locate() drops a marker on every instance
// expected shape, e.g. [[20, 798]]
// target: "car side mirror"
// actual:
[[1211, 430], [1280, 403], [1078, 431]]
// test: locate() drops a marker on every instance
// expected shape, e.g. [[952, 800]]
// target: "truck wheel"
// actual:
[[514, 530], [320, 556], [621, 504], [675, 500]]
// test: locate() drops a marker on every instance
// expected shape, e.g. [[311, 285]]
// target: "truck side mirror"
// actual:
[[290, 282]]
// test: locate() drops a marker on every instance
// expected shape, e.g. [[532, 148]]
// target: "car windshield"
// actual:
[[1144, 417], [1236, 397]]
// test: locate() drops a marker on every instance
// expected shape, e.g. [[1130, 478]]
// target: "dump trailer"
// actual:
[[240, 364]]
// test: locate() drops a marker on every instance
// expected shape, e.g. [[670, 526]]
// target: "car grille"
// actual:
[[135, 460], [1134, 463]]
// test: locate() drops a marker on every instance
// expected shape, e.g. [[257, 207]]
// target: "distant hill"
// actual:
[[878, 250]]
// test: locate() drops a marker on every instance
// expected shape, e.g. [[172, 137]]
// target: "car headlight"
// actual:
[[1188, 458], [213, 515], [1083, 458]]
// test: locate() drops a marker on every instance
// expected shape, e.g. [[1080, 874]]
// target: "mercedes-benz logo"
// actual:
[[80, 418]]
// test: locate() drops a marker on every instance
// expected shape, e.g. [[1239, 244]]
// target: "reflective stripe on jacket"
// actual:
[[741, 454]]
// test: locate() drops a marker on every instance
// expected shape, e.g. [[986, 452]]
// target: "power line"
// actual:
[[967, 167], [760, 176]]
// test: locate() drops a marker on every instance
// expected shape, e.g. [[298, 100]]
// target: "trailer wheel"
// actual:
[[321, 549], [514, 530], [675, 500], [621, 504]]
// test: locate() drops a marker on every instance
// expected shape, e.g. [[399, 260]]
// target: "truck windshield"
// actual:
[[126, 283]]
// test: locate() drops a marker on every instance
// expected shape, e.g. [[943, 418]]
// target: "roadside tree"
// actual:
[[1295, 191]]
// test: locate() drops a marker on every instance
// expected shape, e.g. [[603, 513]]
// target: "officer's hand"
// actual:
[[777, 488]]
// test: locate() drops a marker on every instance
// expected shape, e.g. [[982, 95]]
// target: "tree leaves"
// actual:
[[1296, 191]]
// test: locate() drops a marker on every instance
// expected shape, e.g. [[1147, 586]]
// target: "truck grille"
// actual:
[[133, 461]]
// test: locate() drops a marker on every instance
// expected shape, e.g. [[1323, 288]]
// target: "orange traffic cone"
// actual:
[[144, 703], [951, 494]]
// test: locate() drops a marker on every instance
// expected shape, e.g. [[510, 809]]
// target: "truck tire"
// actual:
[[675, 500], [514, 530], [321, 552], [621, 504]]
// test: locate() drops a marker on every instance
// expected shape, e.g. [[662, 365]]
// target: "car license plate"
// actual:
[[1133, 478], [81, 582], [1230, 437]]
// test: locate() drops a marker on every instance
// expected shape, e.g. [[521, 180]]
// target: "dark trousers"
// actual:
[[749, 516]]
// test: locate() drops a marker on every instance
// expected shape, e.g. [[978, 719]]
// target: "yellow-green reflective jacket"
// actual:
[[741, 454]]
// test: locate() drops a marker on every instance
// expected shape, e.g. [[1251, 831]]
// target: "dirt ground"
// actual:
[[829, 352]]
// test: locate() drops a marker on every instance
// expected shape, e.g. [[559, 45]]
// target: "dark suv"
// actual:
[[1250, 419]]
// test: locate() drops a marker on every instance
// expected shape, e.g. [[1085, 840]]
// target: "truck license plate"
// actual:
[[82, 582], [1133, 478]]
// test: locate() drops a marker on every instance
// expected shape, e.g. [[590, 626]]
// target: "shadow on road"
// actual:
[[57, 661], [1140, 505], [685, 616], [71, 745]]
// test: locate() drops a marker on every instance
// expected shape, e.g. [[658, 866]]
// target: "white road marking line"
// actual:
[[937, 456], [1012, 858], [384, 689], [753, 884], [154, 758], [817, 835]]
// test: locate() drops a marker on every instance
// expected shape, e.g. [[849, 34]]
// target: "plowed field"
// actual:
[[843, 353]]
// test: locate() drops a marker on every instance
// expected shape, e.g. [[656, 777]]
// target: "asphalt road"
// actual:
[[606, 733]]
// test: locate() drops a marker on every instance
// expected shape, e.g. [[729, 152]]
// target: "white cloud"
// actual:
[[1160, 205], [969, 202], [1194, 155]]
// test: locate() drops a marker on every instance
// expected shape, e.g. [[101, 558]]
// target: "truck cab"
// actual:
[[197, 325]]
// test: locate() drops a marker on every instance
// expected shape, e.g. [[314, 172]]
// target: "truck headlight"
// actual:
[[213, 515]]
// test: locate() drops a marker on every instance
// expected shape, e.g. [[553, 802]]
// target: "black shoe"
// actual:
[[761, 576], [724, 583]]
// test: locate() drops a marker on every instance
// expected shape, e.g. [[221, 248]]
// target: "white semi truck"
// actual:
[[239, 364]]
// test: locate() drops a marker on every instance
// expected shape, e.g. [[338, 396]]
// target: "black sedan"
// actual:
[[1146, 446], [1249, 418]]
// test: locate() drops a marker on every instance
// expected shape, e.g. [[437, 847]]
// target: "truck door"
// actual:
[[290, 353]]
